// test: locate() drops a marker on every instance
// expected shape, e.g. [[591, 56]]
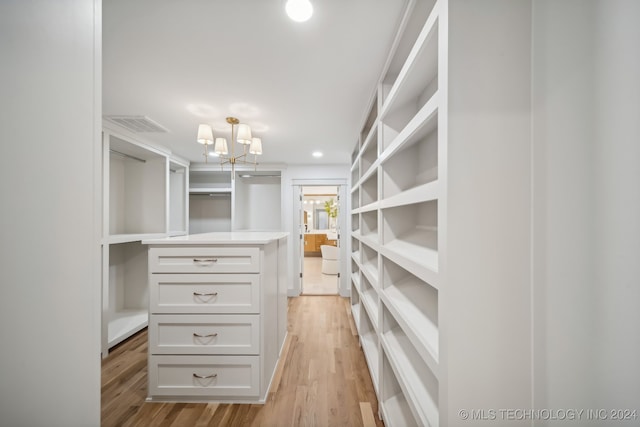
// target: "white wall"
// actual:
[[207, 214], [484, 314], [315, 175], [617, 208], [586, 193], [49, 174]]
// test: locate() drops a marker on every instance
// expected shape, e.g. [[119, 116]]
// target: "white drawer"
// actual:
[[222, 376], [204, 293], [204, 334], [204, 260]]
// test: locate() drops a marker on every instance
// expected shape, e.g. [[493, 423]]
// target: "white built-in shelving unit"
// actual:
[[257, 201], [220, 202], [150, 193], [395, 207], [210, 200], [408, 298], [145, 192], [177, 199]]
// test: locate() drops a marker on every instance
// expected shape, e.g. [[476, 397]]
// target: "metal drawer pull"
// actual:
[[205, 336], [205, 260], [212, 294], [204, 377]]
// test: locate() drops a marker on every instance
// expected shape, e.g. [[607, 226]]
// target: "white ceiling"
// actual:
[[300, 86]]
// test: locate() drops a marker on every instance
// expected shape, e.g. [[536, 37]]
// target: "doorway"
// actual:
[[320, 242]]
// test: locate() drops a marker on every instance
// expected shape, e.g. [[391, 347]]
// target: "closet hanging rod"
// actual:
[[129, 156], [209, 194]]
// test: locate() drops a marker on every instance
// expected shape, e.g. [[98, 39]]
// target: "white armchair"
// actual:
[[330, 263]]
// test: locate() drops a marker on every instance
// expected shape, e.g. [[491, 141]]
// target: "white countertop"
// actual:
[[228, 238]]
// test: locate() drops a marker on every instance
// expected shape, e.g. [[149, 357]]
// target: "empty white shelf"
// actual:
[[405, 300], [421, 66], [422, 193], [123, 324], [397, 412], [369, 341], [416, 380], [209, 190], [128, 238], [418, 245]]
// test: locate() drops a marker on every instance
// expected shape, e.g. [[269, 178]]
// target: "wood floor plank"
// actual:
[[368, 419], [159, 417], [147, 412], [322, 379], [188, 415], [205, 416]]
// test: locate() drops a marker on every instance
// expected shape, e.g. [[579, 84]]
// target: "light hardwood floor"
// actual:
[[314, 282], [322, 379]]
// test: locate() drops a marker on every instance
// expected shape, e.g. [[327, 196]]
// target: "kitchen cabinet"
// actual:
[[313, 241]]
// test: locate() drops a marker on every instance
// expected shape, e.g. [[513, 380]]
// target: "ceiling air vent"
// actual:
[[137, 123]]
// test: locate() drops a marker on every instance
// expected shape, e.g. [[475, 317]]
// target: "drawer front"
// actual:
[[204, 376], [204, 293], [204, 334], [204, 260]]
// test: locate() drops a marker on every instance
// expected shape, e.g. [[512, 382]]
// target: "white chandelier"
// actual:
[[220, 148]]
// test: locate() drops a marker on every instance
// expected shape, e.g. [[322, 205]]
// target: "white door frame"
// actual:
[[343, 282]]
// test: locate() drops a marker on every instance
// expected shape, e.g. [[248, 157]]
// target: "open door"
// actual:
[[302, 227], [317, 212]]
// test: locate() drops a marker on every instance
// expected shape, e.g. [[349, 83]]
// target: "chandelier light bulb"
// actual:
[[299, 10]]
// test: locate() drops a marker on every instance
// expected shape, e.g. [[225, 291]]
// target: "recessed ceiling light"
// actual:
[[299, 10], [317, 154]]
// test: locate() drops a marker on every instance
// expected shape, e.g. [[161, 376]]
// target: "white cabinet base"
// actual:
[[218, 316]]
